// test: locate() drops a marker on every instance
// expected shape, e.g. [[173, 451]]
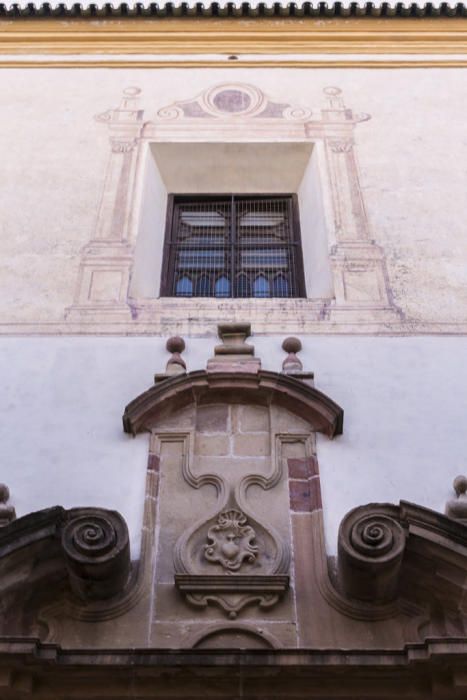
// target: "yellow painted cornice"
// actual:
[[208, 41]]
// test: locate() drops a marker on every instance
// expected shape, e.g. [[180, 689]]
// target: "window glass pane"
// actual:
[[261, 287], [222, 288], [195, 259], [243, 286], [263, 258], [203, 286], [184, 287], [280, 286], [241, 246]]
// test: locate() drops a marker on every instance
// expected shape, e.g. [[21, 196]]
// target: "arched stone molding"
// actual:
[[354, 294], [200, 640], [204, 388]]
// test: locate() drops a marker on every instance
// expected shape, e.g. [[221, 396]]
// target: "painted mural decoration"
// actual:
[[362, 298]]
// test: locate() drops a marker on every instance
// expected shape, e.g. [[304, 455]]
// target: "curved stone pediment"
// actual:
[[264, 388]]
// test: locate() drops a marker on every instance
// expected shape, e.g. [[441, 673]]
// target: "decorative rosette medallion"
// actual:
[[231, 560]]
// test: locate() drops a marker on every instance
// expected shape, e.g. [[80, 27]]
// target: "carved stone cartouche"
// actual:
[[231, 541], [231, 560]]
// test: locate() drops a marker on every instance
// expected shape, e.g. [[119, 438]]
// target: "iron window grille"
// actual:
[[233, 246]]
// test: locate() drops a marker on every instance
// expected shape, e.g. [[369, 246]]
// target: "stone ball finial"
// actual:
[[7, 513], [457, 507], [175, 344], [292, 363], [4, 493], [460, 485], [176, 364], [292, 345]]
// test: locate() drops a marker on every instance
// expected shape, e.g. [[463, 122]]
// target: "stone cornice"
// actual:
[[431, 669]]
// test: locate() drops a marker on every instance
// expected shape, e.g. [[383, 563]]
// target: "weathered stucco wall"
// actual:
[[403, 397], [63, 443], [411, 155]]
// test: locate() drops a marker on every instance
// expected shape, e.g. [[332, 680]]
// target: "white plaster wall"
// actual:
[[316, 230], [62, 442], [411, 154], [146, 273]]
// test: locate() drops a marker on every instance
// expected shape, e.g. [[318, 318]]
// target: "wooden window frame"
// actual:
[[170, 244]]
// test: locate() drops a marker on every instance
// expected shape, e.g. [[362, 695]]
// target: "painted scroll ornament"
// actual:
[[231, 560]]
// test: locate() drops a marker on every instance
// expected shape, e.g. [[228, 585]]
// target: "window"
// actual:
[[233, 246]]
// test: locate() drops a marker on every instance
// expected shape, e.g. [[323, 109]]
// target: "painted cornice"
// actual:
[[301, 37]]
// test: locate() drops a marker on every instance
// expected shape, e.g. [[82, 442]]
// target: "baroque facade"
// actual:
[[224, 229]]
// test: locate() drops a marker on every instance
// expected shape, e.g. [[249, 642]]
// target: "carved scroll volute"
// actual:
[[370, 550], [97, 552]]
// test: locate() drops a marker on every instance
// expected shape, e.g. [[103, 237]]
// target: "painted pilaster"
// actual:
[[106, 261], [359, 268]]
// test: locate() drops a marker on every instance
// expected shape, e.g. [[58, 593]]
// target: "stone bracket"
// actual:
[[232, 593]]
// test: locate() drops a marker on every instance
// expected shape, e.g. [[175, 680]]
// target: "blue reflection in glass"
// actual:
[[203, 286], [184, 287], [261, 287], [280, 286], [243, 286], [222, 287]]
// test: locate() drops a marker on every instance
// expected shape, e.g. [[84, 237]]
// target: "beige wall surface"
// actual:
[[410, 159]]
